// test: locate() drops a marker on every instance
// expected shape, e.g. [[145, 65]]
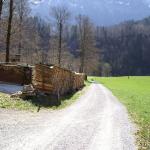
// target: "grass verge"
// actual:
[[15, 103], [134, 93]]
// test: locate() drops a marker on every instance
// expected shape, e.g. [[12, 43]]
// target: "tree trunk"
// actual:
[[82, 59], [9, 30], [1, 6], [20, 27], [60, 45], [82, 62], [20, 38]]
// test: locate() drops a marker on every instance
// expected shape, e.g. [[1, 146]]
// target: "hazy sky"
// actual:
[[102, 12]]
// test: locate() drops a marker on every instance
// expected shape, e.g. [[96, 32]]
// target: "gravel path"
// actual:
[[97, 121]]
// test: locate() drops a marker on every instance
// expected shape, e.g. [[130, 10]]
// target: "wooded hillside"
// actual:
[[82, 47], [126, 47]]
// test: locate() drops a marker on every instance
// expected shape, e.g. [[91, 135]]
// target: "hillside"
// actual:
[[102, 12], [126, 47]]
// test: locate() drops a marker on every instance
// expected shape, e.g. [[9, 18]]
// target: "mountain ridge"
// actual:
[[104, 12]]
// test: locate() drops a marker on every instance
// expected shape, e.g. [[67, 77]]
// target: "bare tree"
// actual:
[[86, 44], [82, 32], [11, 9], [22, 10], [61, 15]]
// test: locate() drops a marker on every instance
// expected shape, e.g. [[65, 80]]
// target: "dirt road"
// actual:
[[97, 121]]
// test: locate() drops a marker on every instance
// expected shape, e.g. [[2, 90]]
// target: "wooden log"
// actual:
[[78, 81], [56, 80]]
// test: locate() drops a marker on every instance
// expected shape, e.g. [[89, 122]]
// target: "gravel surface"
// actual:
[[97, 121]]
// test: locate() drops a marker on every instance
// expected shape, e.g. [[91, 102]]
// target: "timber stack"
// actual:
[[16, 74], [55, 80], [78, 80]]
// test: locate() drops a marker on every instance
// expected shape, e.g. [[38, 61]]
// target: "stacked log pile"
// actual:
[[41, 78], [16, 74], [78, 81], [55, 80]]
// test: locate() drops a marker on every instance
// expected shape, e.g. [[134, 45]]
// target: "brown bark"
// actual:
[[9, 30]]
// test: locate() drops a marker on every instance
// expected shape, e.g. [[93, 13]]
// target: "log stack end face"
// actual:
[[15, 74]]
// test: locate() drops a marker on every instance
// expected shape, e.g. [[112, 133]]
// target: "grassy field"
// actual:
[[37, 103], [135, 94]]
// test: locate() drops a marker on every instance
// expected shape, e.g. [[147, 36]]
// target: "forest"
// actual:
[[78, 45]]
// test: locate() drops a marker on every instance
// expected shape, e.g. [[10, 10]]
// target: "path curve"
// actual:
[[97, 121]]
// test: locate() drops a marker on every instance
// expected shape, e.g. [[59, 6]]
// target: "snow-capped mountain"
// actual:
[[102, 12]]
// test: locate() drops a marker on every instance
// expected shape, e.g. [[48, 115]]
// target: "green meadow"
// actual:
[[134, 93]]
